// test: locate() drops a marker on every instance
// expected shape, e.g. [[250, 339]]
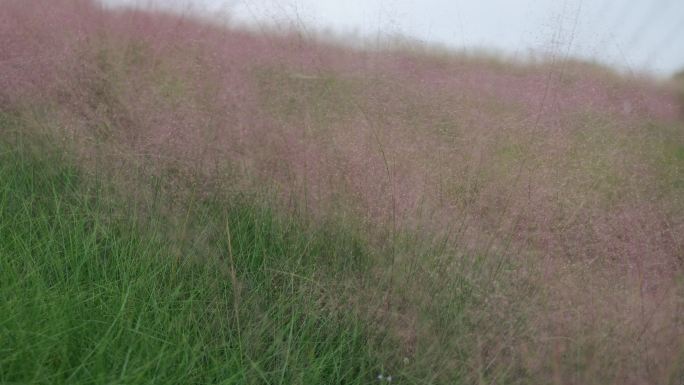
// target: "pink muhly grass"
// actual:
[[571, 182]]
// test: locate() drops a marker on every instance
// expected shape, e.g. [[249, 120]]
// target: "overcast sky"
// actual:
[[637, 35]]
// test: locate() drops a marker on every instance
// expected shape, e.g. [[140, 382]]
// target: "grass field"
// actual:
[[193, 204], [99, 290]]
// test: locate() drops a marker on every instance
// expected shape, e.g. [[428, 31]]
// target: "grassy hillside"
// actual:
[[186, 203], [98, 290]]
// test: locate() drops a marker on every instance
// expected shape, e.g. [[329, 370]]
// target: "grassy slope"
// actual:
[[104, 285], [467, 227], [92, 293]]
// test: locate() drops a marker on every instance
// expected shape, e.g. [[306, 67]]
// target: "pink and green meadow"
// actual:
[[186, 202]]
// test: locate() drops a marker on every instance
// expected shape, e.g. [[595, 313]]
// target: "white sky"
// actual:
[[637, 35]]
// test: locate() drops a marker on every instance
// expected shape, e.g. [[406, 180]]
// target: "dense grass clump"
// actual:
[[92, 292]]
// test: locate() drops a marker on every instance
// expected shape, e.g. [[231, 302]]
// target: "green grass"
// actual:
[[115, 274], [323, 98], [97, 290]]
